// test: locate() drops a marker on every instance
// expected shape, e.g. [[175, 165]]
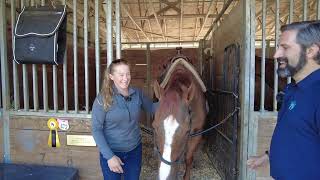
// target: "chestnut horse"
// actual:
[[181, 112]]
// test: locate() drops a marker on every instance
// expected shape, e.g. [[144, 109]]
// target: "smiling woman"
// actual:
[[115, 123]]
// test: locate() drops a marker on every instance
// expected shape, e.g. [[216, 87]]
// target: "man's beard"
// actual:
[[288, 70]]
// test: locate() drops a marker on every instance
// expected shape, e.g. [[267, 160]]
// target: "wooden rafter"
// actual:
[[196, 21], [141, 22], [135, 31], [156, 17], [150, 28], [169, 16], [148, 21], [204, 22], [170, 5], [215, 7], [135, 23], [181, 19], [160, 35]]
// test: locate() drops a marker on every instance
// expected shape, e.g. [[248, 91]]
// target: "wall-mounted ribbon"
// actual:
[[53, 140]]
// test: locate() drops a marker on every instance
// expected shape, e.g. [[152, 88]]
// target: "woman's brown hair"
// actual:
[[106, 89]]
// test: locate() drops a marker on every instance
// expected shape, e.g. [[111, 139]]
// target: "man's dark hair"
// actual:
[[308, 33]]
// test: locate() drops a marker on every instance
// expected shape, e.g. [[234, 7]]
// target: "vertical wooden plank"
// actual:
[[247, 144]]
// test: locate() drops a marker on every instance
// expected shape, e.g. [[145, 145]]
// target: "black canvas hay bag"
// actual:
[[40, 35]]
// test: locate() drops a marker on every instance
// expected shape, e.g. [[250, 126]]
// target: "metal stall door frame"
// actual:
[[222, 146]]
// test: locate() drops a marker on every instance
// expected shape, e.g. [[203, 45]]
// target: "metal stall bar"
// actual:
[[263, 56], [75, 58], [290, 21], [148, 57], [65, 77], [275, 74], [35, 82], [305, 10], [25, 88], [318, 9], [86, 69], [65, 82], [16, 94], [44, 80], [5, 89], [109, 32], [97, 45], [25, 79], [55, 88], [118, 30], [4, 83], [45, 88]]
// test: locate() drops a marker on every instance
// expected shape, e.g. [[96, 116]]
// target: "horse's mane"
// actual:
[[179, 78]]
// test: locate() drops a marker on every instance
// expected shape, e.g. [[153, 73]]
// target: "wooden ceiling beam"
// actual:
[[181, 19], [134, 22], [196, 22], [170, 5], [160, 35], [156, 17], [170, 16], [150, 29], [204, 22]]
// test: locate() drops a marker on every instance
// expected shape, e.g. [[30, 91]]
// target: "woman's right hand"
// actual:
[[115, 164], [255, 162]]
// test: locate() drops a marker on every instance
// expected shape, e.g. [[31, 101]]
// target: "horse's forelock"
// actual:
[[169, 102]]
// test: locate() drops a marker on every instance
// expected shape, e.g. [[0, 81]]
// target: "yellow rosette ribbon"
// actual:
[[53, 140]]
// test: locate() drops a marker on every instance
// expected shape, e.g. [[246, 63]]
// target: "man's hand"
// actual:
[[115, 164], [255, 162]]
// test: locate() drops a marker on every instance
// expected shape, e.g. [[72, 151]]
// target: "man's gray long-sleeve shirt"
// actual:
[[117, 129]]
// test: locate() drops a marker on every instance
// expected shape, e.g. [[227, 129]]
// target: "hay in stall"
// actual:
[[202, 167]]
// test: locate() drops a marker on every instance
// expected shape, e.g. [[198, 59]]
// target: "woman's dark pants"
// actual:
[[131, 167]]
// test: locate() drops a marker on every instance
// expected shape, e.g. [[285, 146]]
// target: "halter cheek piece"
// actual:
[[180, 158]]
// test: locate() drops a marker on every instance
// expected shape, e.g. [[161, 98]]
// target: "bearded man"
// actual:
[[295, 145]]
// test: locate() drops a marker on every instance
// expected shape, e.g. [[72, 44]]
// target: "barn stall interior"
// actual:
[[230, 43]]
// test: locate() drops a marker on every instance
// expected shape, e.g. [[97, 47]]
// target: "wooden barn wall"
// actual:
[[224, 36], [266, 124], [29, 137]]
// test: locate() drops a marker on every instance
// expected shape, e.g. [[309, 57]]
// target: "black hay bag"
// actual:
[[40, 35]]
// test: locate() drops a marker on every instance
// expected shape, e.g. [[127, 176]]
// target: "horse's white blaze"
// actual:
[[170, 127]]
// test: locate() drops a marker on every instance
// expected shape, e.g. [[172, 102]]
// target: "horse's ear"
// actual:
[[157, 89], [190, 93]]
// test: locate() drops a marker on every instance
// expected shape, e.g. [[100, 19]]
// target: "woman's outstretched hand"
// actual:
[[115, 164]]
